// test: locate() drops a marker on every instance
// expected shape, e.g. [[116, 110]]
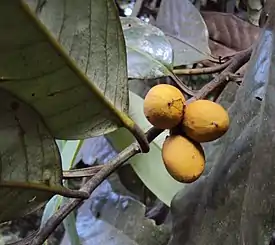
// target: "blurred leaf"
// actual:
[[254, 8], [69, 152], [64, 70], [235, 203], [70, 226], [185, 28], [112, 219], [60, 144], [149, 53], [149, 167], [30, 163], [2, 241], [51, 207]]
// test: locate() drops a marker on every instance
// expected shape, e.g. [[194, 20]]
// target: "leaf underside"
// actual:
[[29, 158], [149, 53], [67, 84]]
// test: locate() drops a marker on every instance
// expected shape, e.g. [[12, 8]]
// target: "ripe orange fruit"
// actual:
[[183, 158], [163, 106], [205, 120]]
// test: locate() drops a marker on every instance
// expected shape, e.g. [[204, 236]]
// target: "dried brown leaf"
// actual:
[[228, 32], [219, 49]]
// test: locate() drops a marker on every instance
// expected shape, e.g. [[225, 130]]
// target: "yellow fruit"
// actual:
[[163, 106], [183, 158], [205, 120]]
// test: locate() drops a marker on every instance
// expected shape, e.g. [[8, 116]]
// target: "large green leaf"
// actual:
[[68, 61], [149, 167], [30, 166], [149, 53]]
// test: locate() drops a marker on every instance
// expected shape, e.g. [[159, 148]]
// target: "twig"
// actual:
[[53, 222], [184, 88], [24, 241], [158, 212], [63, 191], [91, 171], [80, 173], [205, 70], [220, 81]]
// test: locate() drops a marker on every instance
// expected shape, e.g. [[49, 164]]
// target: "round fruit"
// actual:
[[163, 106], [183, 158], [205, 120]]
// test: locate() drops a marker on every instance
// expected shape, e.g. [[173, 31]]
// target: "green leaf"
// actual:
[[51, 207], [149, 53], [60, 144], [149, 167], [70, 226], [68, 155], [68, 61], [30, 164]]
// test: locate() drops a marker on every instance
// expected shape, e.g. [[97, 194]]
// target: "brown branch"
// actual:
[[53, 222], [205, 70], [60, 190], [24, 241], [91, 171], [80, 173], [65, 210], [220, 82], [184, 88]]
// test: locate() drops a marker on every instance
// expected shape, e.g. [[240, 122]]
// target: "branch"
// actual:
[[24, 241], [221, 81], [80, 173], [60, 190], [205, 70], [184, 88], [212, 69], [208, 70], [53, 222]]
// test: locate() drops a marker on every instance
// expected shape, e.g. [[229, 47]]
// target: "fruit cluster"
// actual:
[[190, 124]]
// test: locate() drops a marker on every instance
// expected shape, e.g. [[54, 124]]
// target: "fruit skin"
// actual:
[[183, 158], [205, 121], [164, 106]]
